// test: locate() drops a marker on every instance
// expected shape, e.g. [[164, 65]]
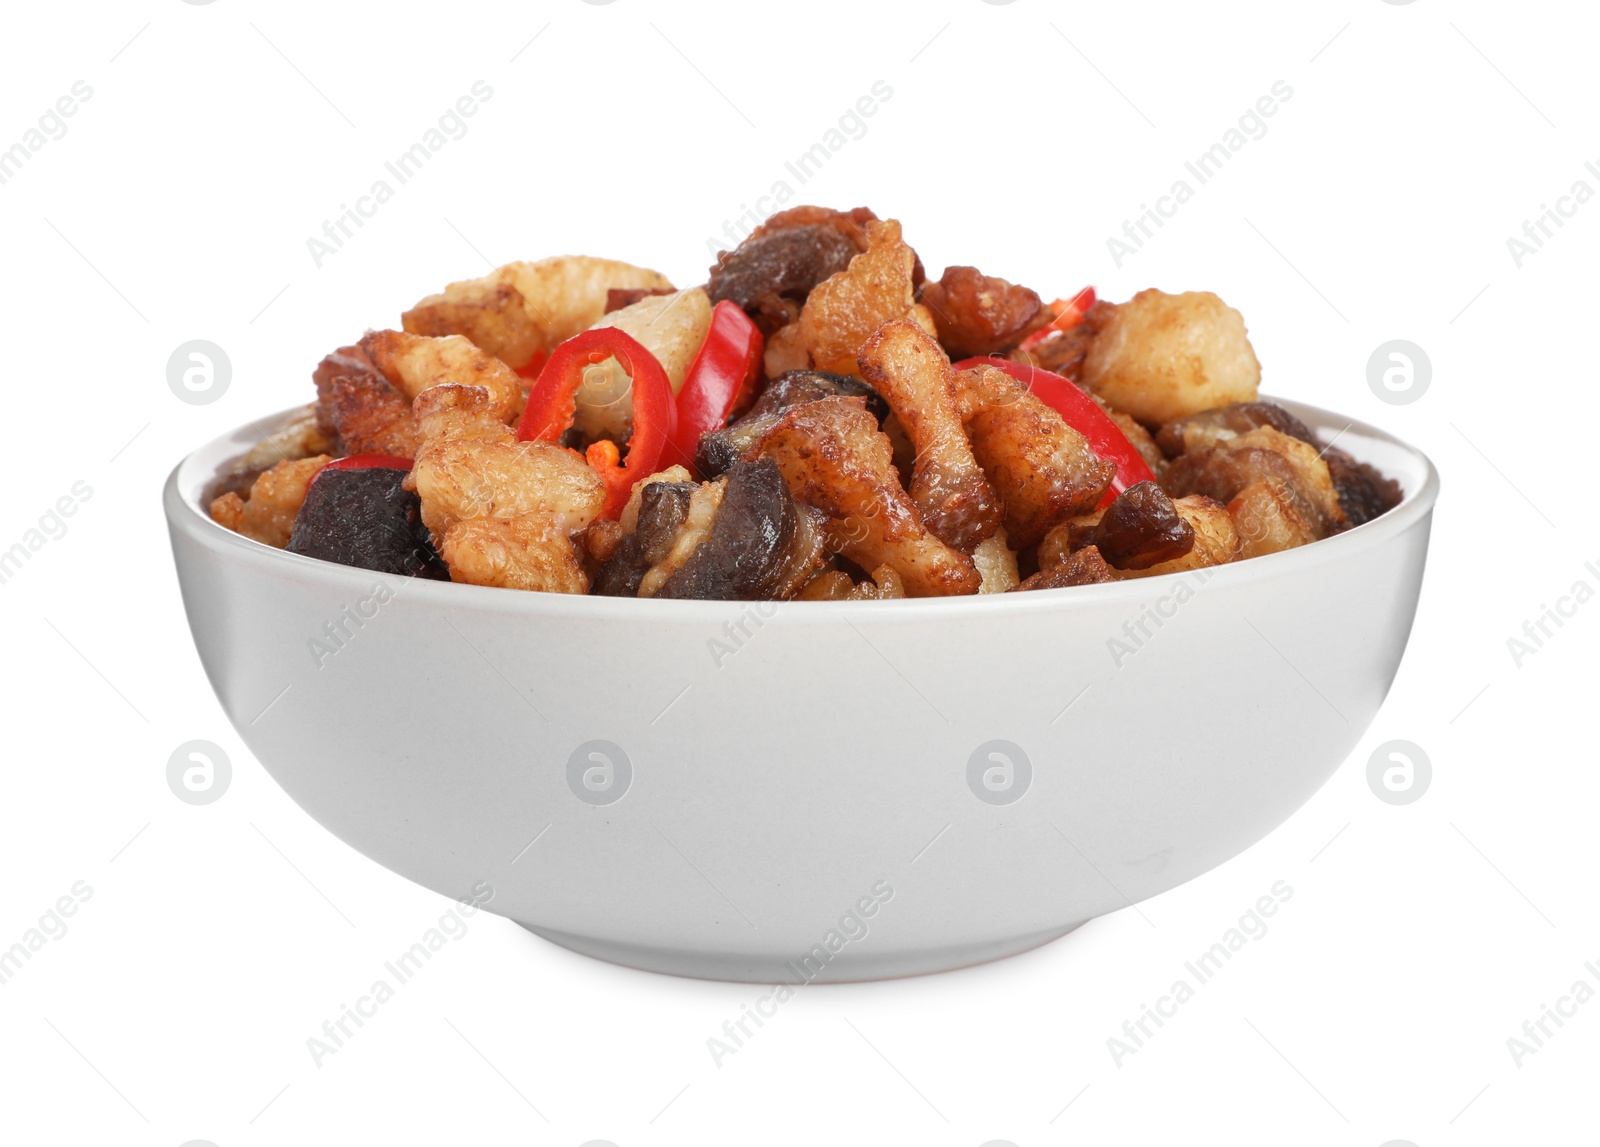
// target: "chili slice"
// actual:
[[553, 404], [721, 379], [1069, 313]]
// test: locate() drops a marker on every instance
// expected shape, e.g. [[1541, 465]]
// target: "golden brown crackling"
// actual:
[[909, 370], [275, 498], [501, 512], [834, 457], [1216, 540], [412, 363], [1081, 567], [524, 309], [843, 310], [1042, 469], [977, 313], [1161, 357]]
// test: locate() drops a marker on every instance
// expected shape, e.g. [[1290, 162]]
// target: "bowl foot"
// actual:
[[855, 963]]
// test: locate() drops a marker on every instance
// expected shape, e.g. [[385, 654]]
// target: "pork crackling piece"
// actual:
[[501, 512], [1042, 469], [275, 499], [523, 311], [365, 391], [1161, 357], [834, 457], [905, 365], [720, 449]]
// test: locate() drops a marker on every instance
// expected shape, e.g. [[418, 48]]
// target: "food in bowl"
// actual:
[[818, 421]]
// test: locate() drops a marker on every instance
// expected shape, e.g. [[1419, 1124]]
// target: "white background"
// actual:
[[1018, 137]]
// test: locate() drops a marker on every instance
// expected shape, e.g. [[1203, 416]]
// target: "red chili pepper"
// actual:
[[553, 403], [1069, 313], [1084, 415], [530, 369], [368, 462], [721, 377]]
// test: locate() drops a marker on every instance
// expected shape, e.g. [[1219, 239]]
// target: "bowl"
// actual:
[[805, 792]]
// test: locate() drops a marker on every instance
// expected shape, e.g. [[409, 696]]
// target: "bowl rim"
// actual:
[[187, 516]]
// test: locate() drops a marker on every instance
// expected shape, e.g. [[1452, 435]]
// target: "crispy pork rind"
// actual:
[[977, 313], [835, 458], [1081, 567], [851, 224], [1140, 439], [268, 514], [766, 269], [719, 449], [1363, 492], [1064, 353], [1216, 540], [1042, 469], [997, 564], [619, 297], [1141, 528], [785, 351], [836, 585], [842, 312], [501, 512], [359, 410], [522, 311], [1208, 427], [1161, 357], [365, 391], [411, 364], [908, 369], [1268, 520], [1264, 454]]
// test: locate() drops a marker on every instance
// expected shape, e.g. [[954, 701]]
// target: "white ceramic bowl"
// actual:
[[805, 790]]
